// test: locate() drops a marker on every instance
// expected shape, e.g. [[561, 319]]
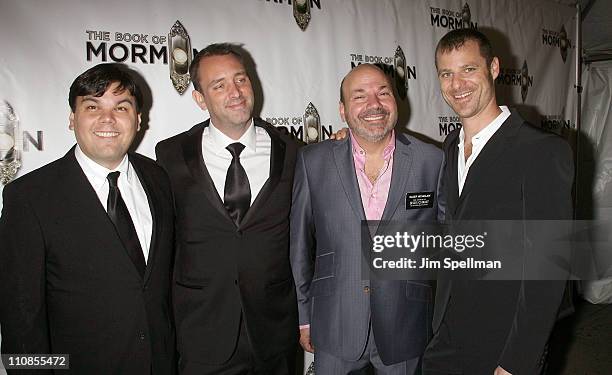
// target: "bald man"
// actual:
[[350, 323]]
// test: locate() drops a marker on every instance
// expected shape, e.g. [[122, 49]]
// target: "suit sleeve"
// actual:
[[547, 186], [23, 314], [302, 239]]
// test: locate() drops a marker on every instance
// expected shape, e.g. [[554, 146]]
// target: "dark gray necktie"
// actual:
[[237, 193], [120, 216]]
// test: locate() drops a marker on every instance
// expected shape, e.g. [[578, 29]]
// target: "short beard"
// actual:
[[372, 138]]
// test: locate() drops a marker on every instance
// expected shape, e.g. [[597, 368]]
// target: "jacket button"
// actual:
[[239, 233], [142, 336], [366, 289], [235, 282]]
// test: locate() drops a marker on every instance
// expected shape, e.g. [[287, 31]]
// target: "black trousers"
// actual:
[[243, 361], [444, 357], [441, 357]]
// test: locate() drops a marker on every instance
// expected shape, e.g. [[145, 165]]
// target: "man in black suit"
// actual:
[[497, 167], [232, 175], [87, 243]]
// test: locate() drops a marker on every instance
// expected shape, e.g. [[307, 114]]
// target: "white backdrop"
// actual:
[[46, 44]]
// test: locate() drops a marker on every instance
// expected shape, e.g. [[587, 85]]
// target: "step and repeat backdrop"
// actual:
[[300, 49]]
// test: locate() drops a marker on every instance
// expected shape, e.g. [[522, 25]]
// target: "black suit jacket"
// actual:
[[523, 173], [222, 270], [67, 284]]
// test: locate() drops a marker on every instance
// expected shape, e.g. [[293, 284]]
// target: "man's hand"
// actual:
[[340, 134], [498, 370], [305, 340]]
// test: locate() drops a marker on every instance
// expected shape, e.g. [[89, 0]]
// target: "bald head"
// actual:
[[357, 70], [367, 104]]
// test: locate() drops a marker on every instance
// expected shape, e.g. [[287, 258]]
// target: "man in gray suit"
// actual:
[[367, 176]]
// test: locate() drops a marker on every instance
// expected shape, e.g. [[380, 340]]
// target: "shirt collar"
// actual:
[[487, 132], [359, 153], [248, 139], [387, 152], [97, 173]]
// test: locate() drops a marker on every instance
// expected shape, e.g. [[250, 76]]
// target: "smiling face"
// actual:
[[368, 104], [105, 126], [226, 92], [467, 83]]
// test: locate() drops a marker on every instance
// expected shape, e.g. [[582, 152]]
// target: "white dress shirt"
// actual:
[[478, 142], [255, 158], [131, 189]]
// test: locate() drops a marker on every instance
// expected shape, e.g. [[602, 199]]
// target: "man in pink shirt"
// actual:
[[373, 174]]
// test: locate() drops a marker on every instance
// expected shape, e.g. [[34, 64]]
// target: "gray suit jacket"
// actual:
[[326, 216]]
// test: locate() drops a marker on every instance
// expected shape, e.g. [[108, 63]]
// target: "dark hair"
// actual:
[[215, 49], [95, 81], [455, 39]]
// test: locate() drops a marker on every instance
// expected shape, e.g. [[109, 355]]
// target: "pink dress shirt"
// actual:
[[373, 195]]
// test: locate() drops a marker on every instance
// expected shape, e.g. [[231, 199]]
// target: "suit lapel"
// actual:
[[489, 154], [192, 152], [78, 189], [401, 173], [343, 157], [85, 201], [451, 175], [277, 162], [153, 198], [451, 185]]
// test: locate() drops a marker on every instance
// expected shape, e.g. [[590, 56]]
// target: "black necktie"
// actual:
[[237, 194], [119, 215]]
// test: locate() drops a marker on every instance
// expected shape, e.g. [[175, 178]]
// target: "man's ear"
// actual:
[[494, 68], [199, 99], [139, 120], [71, 121], [342, 115]]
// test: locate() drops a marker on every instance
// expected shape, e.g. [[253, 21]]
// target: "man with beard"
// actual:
[[348, 322], [497, 167]]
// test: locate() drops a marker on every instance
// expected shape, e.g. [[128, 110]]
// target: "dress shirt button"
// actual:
[[366, 289]]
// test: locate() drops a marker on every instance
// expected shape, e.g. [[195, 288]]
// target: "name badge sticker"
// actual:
[[419, 200]]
